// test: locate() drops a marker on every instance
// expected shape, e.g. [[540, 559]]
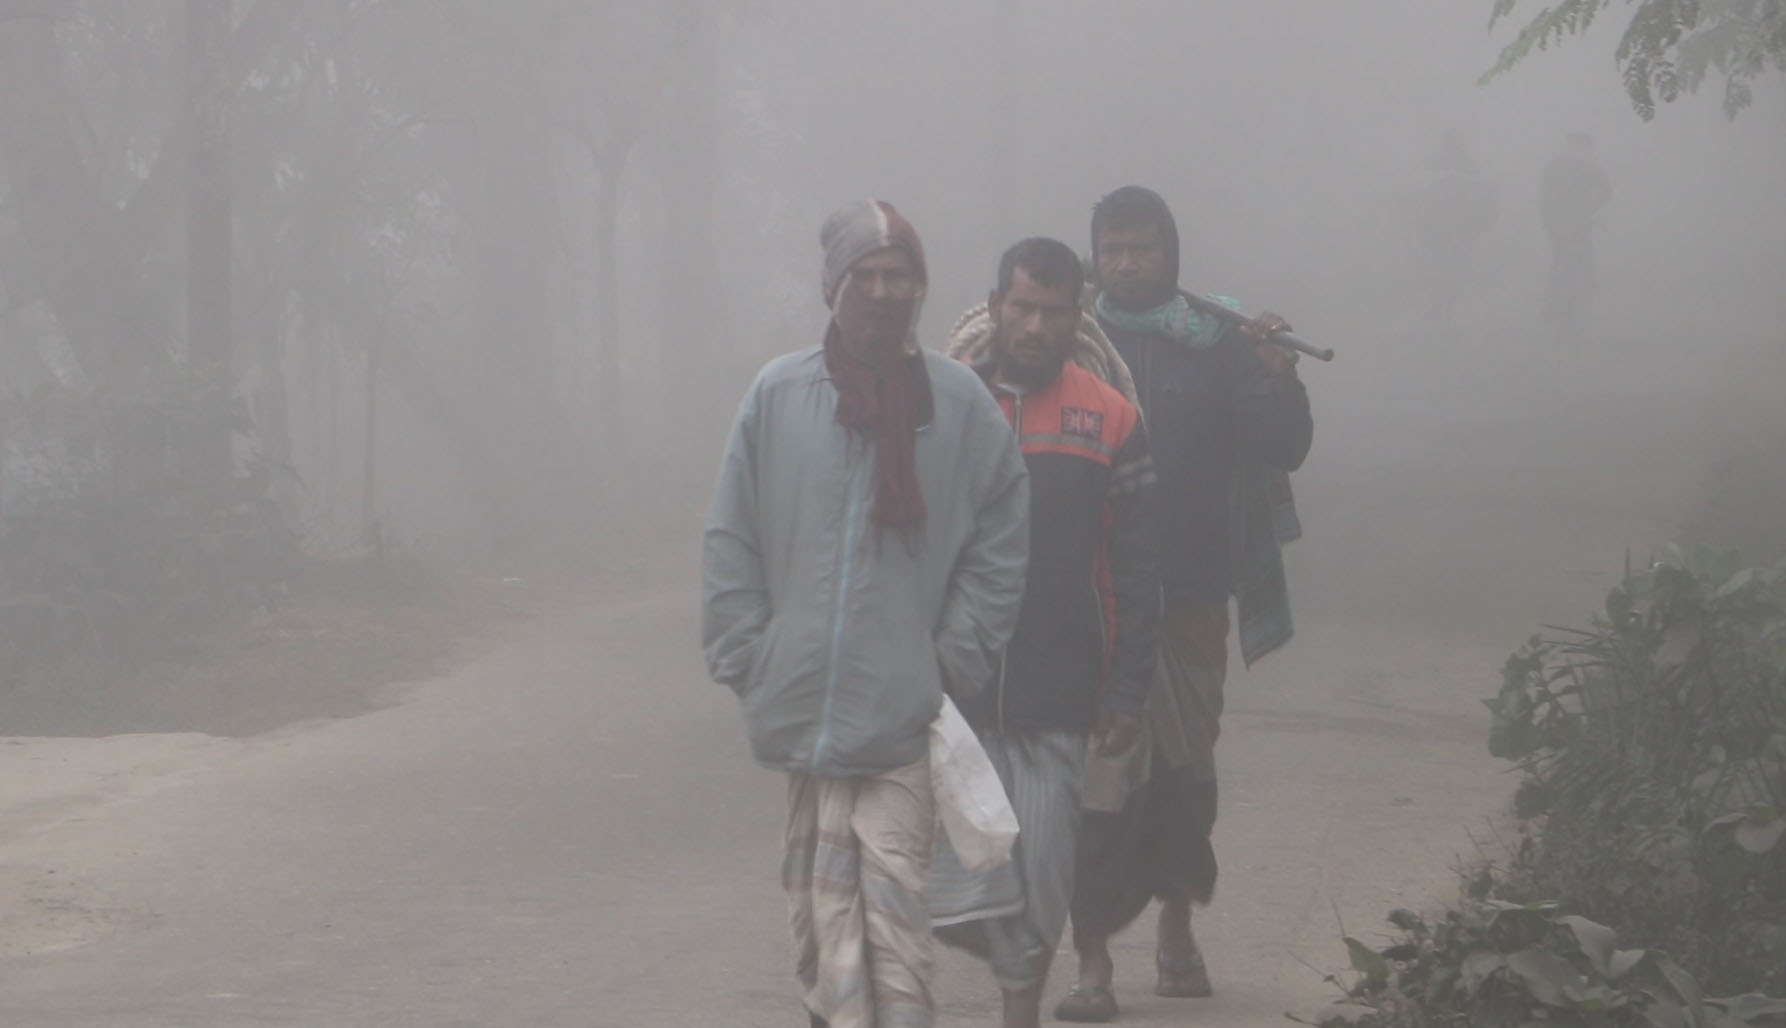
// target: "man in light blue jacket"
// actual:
[[865, 554]]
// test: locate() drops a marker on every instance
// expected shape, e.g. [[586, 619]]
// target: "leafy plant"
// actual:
[[1669, 47], [1495, 964], [1652, 749]]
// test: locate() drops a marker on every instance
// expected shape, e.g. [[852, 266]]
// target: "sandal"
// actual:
[[1182, 977], [1087, 1006]]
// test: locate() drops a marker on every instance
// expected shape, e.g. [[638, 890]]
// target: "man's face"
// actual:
[[876, 303], [1132, 263], [1032, 329]]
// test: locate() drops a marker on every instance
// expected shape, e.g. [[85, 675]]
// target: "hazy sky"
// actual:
[[1281, 132]]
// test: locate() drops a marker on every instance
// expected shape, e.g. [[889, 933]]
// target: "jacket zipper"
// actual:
[[850, 527]]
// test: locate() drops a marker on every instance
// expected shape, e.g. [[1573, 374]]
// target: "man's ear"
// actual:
[[992, 300]]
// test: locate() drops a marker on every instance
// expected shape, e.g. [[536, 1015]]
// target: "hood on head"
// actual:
[[859, 230], [1138, 203]]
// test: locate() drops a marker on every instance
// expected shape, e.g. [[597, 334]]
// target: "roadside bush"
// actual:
[[1495, 964], [128, 528], [1652, 749]]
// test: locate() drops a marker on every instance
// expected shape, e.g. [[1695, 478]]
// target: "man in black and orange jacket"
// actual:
[[1085, 652]]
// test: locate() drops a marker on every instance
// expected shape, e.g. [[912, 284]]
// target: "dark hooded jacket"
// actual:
[[1202, 406]]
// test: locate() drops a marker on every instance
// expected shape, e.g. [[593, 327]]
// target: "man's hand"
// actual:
[[1277, 360], [1115, 732]]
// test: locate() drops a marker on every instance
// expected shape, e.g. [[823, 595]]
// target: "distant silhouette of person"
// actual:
[[1570, 195], [1452, 210]]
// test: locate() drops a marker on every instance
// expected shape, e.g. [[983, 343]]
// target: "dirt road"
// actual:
[[565, 830]]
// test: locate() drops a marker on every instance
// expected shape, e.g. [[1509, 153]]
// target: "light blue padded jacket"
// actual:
[[838, 639]]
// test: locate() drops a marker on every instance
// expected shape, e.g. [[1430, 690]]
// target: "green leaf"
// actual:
[[1544, 974], [1512, 740], [1597, 941], [1666, 1013], [1735, 583], [1760, 831], [1727, 819], [1685, 987], [1589, 997], [1476, 968], [1368, 962], [1748, 1008], [1618, 606], [1344, 1013], [1623, 962]]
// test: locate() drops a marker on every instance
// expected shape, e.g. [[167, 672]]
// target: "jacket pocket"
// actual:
[[760, 660], [916, 694]]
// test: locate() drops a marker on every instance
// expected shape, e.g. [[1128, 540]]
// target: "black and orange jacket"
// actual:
[[1089, 629]]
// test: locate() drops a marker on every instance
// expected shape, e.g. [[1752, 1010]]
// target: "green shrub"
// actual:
[[1495, 964], [1652, 750]]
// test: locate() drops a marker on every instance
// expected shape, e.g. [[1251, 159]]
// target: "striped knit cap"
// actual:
[[859, 230]]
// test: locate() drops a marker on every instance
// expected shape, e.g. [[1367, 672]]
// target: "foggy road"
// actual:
[[533, 842], [567, 830]]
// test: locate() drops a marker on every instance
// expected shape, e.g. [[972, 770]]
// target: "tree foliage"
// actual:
[[1669, 48]]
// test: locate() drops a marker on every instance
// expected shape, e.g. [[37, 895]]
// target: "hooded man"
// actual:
[[1082, 660], [1226, 418], [865, 553]]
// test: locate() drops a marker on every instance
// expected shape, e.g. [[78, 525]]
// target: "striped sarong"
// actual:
[[857, 852], [1014, 914]]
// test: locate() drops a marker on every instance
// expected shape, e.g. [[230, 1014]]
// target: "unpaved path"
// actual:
[[565, 830]]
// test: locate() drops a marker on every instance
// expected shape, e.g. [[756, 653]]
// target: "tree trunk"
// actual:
[[208, 249]]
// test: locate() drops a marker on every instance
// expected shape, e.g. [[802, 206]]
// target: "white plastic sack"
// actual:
[[970, 800]]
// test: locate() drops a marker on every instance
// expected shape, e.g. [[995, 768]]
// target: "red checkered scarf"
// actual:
[[884, 405]]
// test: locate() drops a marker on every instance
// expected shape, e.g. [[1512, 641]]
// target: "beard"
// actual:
[[1030, 372]]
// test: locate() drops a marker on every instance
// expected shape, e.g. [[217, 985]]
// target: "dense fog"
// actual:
[[443, 177], [365, 366]]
